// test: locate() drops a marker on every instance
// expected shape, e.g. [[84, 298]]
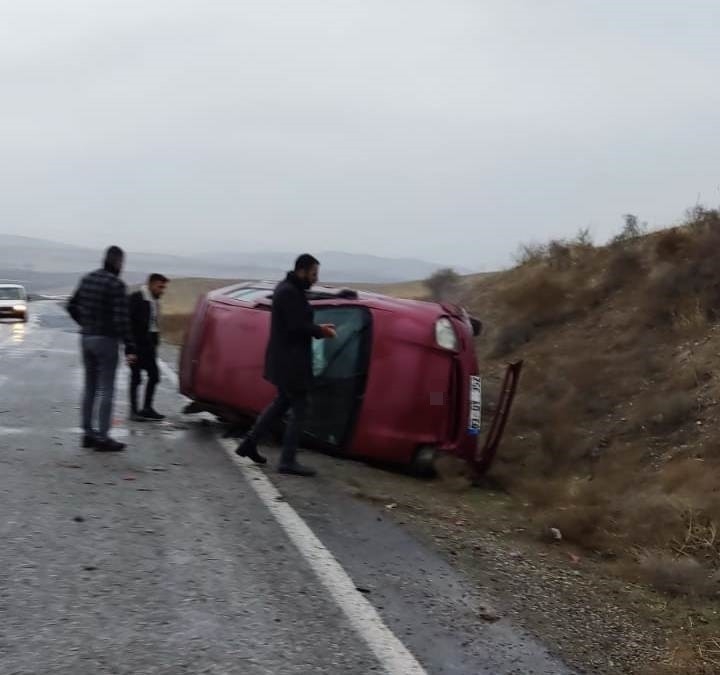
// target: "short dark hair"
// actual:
[[113, 261], [155, 277], [305, 262]]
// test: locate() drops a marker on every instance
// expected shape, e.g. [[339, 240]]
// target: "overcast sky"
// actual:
[[443, 129]]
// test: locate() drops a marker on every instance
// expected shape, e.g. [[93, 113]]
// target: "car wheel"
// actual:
[[423, 464]]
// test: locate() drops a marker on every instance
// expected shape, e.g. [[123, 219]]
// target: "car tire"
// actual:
[[423, 463]]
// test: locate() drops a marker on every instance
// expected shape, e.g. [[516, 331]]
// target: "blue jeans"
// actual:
[[100, 356]]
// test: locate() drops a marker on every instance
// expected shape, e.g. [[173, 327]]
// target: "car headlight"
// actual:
[[445, 334], [19, 308]]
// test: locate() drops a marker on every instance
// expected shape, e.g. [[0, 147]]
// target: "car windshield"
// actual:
[[10, 294]]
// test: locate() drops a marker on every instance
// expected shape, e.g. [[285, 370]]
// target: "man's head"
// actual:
[[157, 283], [114, 259], [307, 269]]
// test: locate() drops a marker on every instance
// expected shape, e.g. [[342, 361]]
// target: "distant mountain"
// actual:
[[337, 265], [49, 265]]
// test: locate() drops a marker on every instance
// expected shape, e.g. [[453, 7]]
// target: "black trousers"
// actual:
[[147, 361], [296, 403]]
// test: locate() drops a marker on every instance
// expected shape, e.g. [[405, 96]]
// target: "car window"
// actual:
[[339, 358], [10, 294]]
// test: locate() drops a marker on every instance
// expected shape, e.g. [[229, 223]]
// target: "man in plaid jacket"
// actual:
[[99, 306]]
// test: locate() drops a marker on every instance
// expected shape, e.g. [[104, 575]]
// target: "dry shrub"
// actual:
[[559, 254], [687, 290], [535, 301], [541, 492], [444, 285], [530, 254], [511, 337], [672, 244], [529, 410], [701, 219], [646, 517], [583, 525], [692, 655], [676, 575], [664, 412], [624, 268], [559, 446], [540, 298]]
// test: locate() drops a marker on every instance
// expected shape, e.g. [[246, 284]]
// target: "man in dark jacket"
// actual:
[[145, 325], [99, 306], [288, 364]]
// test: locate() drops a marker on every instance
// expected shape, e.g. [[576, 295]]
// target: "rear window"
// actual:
[[10, 294]]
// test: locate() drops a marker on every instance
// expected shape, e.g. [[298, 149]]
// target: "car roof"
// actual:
[[332, 295]]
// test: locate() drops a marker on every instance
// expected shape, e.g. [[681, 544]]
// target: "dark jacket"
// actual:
[[99, 306], [288, 360], [140, 313]]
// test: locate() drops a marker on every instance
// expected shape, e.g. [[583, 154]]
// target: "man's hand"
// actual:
[[328, 330], [131, 359]]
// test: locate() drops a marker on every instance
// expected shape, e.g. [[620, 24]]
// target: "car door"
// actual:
[[340, 368]]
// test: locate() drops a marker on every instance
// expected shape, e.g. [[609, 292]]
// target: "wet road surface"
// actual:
[[167, 558]]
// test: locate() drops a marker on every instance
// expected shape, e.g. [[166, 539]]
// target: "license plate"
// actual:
[[475, 404]]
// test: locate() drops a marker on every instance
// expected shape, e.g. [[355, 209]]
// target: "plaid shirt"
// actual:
[[100, 306]]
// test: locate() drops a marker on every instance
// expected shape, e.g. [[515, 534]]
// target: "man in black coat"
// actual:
[[288, 364], [144, 322]]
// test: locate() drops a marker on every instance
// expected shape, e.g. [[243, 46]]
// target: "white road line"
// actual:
[[392, 654]]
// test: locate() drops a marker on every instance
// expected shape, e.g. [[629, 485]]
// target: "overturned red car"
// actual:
[[398, 384]]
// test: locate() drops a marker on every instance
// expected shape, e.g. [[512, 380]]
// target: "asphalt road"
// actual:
[[171, 558]]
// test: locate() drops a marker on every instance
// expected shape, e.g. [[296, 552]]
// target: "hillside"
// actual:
[[615, 436]]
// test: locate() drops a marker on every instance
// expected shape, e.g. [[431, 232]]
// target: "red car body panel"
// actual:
[[416, 393]]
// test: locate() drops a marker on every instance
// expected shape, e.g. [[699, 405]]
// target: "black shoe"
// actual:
[[137, 417], [109, 445], [150, 414], [296, 469], [89, 441], [249, 449]]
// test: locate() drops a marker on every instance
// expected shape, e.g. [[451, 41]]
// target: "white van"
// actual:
[[13, 302]]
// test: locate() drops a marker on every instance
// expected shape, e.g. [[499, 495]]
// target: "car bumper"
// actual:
[[10, 313]]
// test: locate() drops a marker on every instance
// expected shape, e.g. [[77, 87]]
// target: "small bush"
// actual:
[[676, 576], [672, 245], [530, 254], [583, 239], [512, 337], [632, 229], [540, 299], [700, 219], [624, 268], [443, 284], [559, 254]]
